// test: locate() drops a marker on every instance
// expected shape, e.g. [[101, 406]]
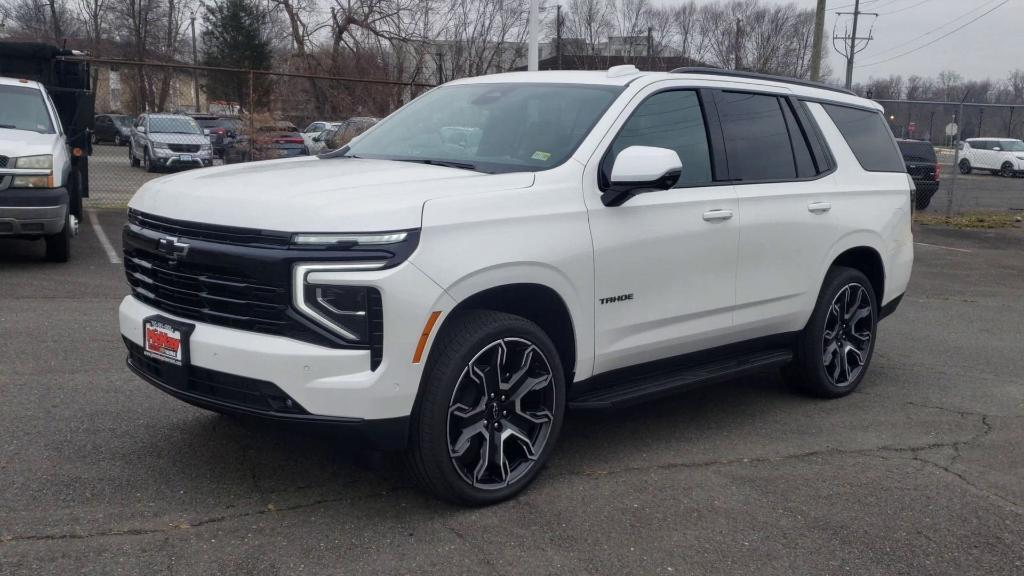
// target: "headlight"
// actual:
[[358, 239], [1020, 157], [43, 162], [351, 312], [205, 147], [32, 182], [160, 145]]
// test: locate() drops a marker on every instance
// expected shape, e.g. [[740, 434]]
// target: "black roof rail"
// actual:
[[759, 76]]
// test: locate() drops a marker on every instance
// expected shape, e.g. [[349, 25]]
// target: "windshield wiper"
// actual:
[[447, 163]]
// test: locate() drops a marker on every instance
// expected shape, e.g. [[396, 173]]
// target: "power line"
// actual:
[[985, 4], [904, 9], [851, 50], [844, 6], [946, 35]]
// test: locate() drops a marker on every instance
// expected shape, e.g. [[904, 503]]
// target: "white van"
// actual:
[[35, 166]]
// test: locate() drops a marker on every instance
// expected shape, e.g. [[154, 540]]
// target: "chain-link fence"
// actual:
[[155, 118], [982, 181]]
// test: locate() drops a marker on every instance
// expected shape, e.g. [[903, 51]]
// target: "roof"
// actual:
[[800, 88], [4, 81]]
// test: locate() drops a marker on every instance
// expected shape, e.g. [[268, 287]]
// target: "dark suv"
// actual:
[[923, 167]]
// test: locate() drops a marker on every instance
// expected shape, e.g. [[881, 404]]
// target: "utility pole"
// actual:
[[850, 47], [738, 61], [558, 35], [533, 52], [195, 62], [819, 38]]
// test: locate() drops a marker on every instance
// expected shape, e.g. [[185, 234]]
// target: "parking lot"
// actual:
[[921, 471]]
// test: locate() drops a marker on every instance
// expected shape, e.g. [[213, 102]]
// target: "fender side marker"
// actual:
[[425, 335]]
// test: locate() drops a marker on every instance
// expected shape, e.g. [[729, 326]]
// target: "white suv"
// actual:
[[1003, 156], [506, 247]]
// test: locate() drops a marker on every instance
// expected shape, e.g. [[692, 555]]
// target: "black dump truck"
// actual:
[[46, 120]]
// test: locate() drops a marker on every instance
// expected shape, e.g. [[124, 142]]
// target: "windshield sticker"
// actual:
[[538, 155]]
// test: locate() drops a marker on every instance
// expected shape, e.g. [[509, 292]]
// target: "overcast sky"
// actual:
[[989, 48]]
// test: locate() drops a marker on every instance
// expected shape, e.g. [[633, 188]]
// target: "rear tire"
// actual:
[[491, 406], [965, 166], [834, 350], [58, 246], [923, 199]]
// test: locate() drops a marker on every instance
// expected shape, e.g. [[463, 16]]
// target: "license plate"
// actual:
[[163, 342], [186, 158]]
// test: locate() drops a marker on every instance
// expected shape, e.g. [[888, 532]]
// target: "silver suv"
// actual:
[[168, 141]]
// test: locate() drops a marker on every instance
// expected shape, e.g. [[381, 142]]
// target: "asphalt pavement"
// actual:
[[921, 471]]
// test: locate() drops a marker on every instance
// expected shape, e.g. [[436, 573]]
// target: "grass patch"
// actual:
[[967, 220]]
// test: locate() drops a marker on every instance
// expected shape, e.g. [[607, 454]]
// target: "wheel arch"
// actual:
[[539, 303], [867, 260]]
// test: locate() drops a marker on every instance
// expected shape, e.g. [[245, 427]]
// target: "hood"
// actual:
[[26, 143], [175, 138], [310, 194]]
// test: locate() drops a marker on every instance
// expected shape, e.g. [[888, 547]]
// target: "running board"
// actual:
[[662, 383]]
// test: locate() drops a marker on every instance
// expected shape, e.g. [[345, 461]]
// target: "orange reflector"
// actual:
[[427, 329], [76, 152], [23, 81]]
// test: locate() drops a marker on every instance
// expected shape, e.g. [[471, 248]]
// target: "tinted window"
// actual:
[[869, 137], [917, 151], [756, 137], [979, 144], [798, 139], [670, 120]]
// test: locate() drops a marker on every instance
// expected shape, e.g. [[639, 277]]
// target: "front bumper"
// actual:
[[172, 160], [32, 211], [326, 382]]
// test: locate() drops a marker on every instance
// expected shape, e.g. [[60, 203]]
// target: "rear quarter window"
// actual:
[[869, 137]]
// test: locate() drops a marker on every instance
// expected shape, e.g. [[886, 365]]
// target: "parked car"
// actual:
[[46, 115], [114, 128], [221, 130], [606, 241], [278, 139], [923, 167], [339, 134], [167, 142], [313, 130], [1003, 156]]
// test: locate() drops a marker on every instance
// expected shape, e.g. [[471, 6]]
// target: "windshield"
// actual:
[[173, 125], [23, 108], [490, 127], [1011, 145]]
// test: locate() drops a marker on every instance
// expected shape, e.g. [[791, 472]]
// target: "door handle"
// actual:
[[819, 207], [715, 215]]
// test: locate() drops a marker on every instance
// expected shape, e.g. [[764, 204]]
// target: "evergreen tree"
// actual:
[[236, 37]]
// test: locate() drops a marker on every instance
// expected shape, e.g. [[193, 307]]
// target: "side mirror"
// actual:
[[997, 149], [206, 131], [141, 129], [319, 137], [639, 169]]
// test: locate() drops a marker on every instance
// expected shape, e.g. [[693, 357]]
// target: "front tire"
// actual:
[[58, 246], [132, 160], [834, 350], [965, 166], [1006, 170], [147, 161], [117, 140], [490, 411]]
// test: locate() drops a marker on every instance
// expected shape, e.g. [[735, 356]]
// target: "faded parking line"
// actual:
[[943, 247], [102, 236]]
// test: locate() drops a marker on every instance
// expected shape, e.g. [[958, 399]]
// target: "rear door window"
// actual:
[[757, 138], [869, 137]]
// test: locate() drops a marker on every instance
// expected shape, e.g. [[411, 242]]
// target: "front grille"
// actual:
[[213, 232], [214, 385], [3, 161], [190, 293], [184, 147]]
